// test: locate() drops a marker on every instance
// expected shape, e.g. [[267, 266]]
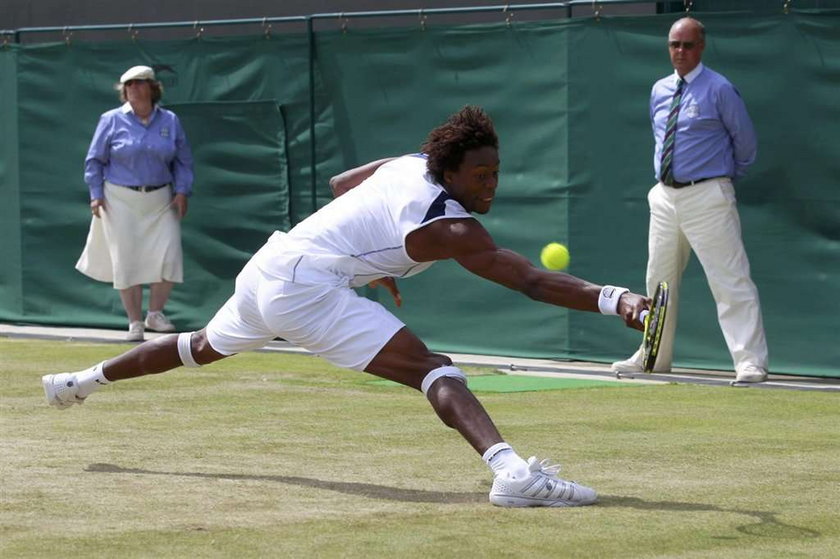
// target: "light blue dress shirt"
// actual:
[[715, 136], [126, 152]]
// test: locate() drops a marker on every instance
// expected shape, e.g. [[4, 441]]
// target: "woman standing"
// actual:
[[139, 172]]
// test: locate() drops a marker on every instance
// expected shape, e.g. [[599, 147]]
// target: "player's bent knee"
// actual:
[[185, 350], [447, 371], [203, 352]]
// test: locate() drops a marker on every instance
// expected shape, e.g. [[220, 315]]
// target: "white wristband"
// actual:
[[608, 299]]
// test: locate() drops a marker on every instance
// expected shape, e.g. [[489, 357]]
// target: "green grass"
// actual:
[[266, 455]]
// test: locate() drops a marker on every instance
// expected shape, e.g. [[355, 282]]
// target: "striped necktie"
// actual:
[[666, 171]]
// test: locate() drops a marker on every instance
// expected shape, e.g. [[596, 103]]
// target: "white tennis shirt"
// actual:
[[360, 236]]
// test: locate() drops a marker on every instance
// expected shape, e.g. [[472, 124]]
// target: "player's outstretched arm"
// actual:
[[352, 178], [466, 241]]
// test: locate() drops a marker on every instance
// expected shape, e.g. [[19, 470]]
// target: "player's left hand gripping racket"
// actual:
[[654, 326]]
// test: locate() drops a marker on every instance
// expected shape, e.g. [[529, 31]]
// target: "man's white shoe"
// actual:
[[633, 366], [628, 367], [61, 390], [157, 321], [135, 331], [751, 373], [541, 488]]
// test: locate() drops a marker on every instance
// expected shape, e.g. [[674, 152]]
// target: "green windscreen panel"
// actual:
[[789, 202], [11, 294], [241, 196], [229, 93], [391, 87], [570, 102], [241, 192]]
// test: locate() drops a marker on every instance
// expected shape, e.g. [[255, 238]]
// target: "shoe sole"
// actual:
[[49, 392], [748, 381], [623, 373], [510, 501], [626, 370], [161, 330]]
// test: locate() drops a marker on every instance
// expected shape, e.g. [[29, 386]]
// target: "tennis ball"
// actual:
[[554, 256]]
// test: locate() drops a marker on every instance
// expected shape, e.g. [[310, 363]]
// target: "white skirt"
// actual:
[[136, 241]]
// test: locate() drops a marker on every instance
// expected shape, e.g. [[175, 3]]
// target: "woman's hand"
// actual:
[[180, 203], [96, 205]]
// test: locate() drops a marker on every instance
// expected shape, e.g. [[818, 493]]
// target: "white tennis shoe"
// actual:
[[633, 366], [61, 390], [157, 321], [542, 488], [135, 331]]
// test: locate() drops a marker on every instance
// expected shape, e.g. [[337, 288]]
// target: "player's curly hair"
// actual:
[[469, 128]]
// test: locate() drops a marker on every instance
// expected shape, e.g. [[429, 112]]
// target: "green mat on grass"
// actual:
[[517, 383]]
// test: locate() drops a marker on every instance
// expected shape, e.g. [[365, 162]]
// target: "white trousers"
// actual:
[[704, 218]]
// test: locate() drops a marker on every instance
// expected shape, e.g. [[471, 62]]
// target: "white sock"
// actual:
[[90, 380], [504, 461]]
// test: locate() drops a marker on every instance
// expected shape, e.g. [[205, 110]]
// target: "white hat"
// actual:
[[138, 73]]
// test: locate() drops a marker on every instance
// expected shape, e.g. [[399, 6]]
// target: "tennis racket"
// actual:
[[654, 325]]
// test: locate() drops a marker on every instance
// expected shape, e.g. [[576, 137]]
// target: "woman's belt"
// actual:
[[147, 188]]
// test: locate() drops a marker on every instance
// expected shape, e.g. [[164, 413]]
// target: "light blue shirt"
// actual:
[[715, 136], [126, 152]]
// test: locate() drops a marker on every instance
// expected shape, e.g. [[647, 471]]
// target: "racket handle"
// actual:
[[643, 315]]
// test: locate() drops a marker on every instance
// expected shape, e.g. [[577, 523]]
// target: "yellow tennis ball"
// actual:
[[554, 256]]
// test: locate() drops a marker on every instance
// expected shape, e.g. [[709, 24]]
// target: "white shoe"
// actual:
[[157, 321], [135, 332], [751, 373], [633, 366], [541, 488], [61, 390], [630, 366]]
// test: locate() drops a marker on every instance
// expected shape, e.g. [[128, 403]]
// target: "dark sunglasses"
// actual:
[[687, 45], [132, 82]]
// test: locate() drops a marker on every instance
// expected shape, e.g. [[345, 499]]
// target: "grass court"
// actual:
[[267, 455]]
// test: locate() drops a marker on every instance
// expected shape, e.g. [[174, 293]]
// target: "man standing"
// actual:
[[704, 140], [391, 218]]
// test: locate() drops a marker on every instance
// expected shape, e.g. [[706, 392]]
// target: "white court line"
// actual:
[[508, 365]]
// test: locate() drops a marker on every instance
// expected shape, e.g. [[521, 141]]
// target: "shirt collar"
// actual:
[[690, 77], [126, 108]]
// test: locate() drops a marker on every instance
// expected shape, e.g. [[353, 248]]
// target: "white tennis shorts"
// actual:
[[334, 322]]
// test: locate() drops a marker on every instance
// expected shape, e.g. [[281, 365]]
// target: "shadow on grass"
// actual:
[[349, 488], [767, 526]]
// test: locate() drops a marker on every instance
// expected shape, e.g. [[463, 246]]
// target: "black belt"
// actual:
[[147, 188], [675, 184]]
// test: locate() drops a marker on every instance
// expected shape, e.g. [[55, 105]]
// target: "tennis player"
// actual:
[[391, 218]]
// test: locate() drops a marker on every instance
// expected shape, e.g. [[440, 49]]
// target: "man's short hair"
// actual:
[[468, 129], [696, 22]]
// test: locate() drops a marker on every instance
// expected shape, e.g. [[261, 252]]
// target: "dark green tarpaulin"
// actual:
[[570, 101]]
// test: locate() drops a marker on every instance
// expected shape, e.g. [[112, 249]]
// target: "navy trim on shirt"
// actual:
[[438, 207]]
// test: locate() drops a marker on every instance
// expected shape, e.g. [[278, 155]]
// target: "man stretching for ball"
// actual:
[[391, 218]]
